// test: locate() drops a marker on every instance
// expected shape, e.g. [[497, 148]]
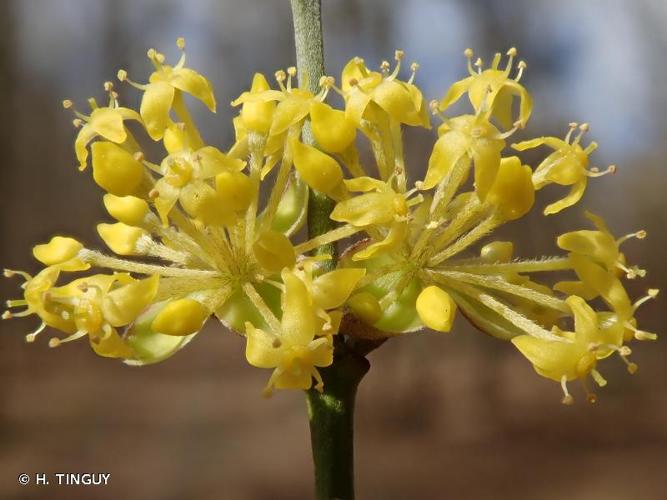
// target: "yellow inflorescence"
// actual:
[[209, 244]]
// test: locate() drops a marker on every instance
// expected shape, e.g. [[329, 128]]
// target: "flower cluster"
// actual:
[[203, 232]]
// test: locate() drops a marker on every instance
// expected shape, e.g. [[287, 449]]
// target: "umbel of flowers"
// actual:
[[202, 232]]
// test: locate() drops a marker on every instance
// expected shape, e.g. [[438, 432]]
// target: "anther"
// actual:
[[159, 57], [522, 66], [512, 52], [640, 235], [139, 156], [54, 342], [468, 53], [591, 398], [384, 66], [414, 67], [30, 338], [584, 127], [434, 107], [121, 75], [398, 55], [77, 122], [571, 128], [67, 104], [291, 71], [108, 86], [353, 82], [280, 76], [479, 63], [599, 379], [7, 315], [180, 43], [567, 400], [151, 53]]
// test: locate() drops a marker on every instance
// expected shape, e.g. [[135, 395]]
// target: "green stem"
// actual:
[[331, 412], [331, 415], [307, 16]]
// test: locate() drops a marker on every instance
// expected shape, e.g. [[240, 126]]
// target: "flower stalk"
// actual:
[[331, 416], [331, 411]]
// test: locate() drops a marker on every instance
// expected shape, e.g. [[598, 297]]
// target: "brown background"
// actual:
[[460, 416]]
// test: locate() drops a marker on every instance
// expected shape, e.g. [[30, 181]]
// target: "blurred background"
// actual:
[[456, 417]]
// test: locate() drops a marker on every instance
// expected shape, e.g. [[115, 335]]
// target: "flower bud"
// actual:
[[497, 251], [129, 210], [257, 116], [115, 170], [332, 130], [58, 250], [365, 306], [180, 318], [120, 238], [274, 251], [236, 189], [436, 308], [318, 170], [512, 191]]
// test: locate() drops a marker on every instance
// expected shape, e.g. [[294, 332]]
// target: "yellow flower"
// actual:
[[184, 176], [62, 252], [93, 306], [566, 166], [293, 103], [107, 122], [379, 206], [492, 88], [601, 246], [218, 233], [297, 347], [573, 357], [402, 101], [163, 92], [464, 139]]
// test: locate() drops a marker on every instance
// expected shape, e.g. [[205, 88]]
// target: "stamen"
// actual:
[[281, 76], [56, 342], [522, 66], [468, 53], [496, 60], [30, 338], [595, 172], [413, 68], [16, 303], [567, 400], [631, 272], [599, 379], [10, 273], [651, 293], [291, 73], [572, 126], [640, 235], [640, 334], [122, 77], [590, 397], [435, 111], [583, 128]]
